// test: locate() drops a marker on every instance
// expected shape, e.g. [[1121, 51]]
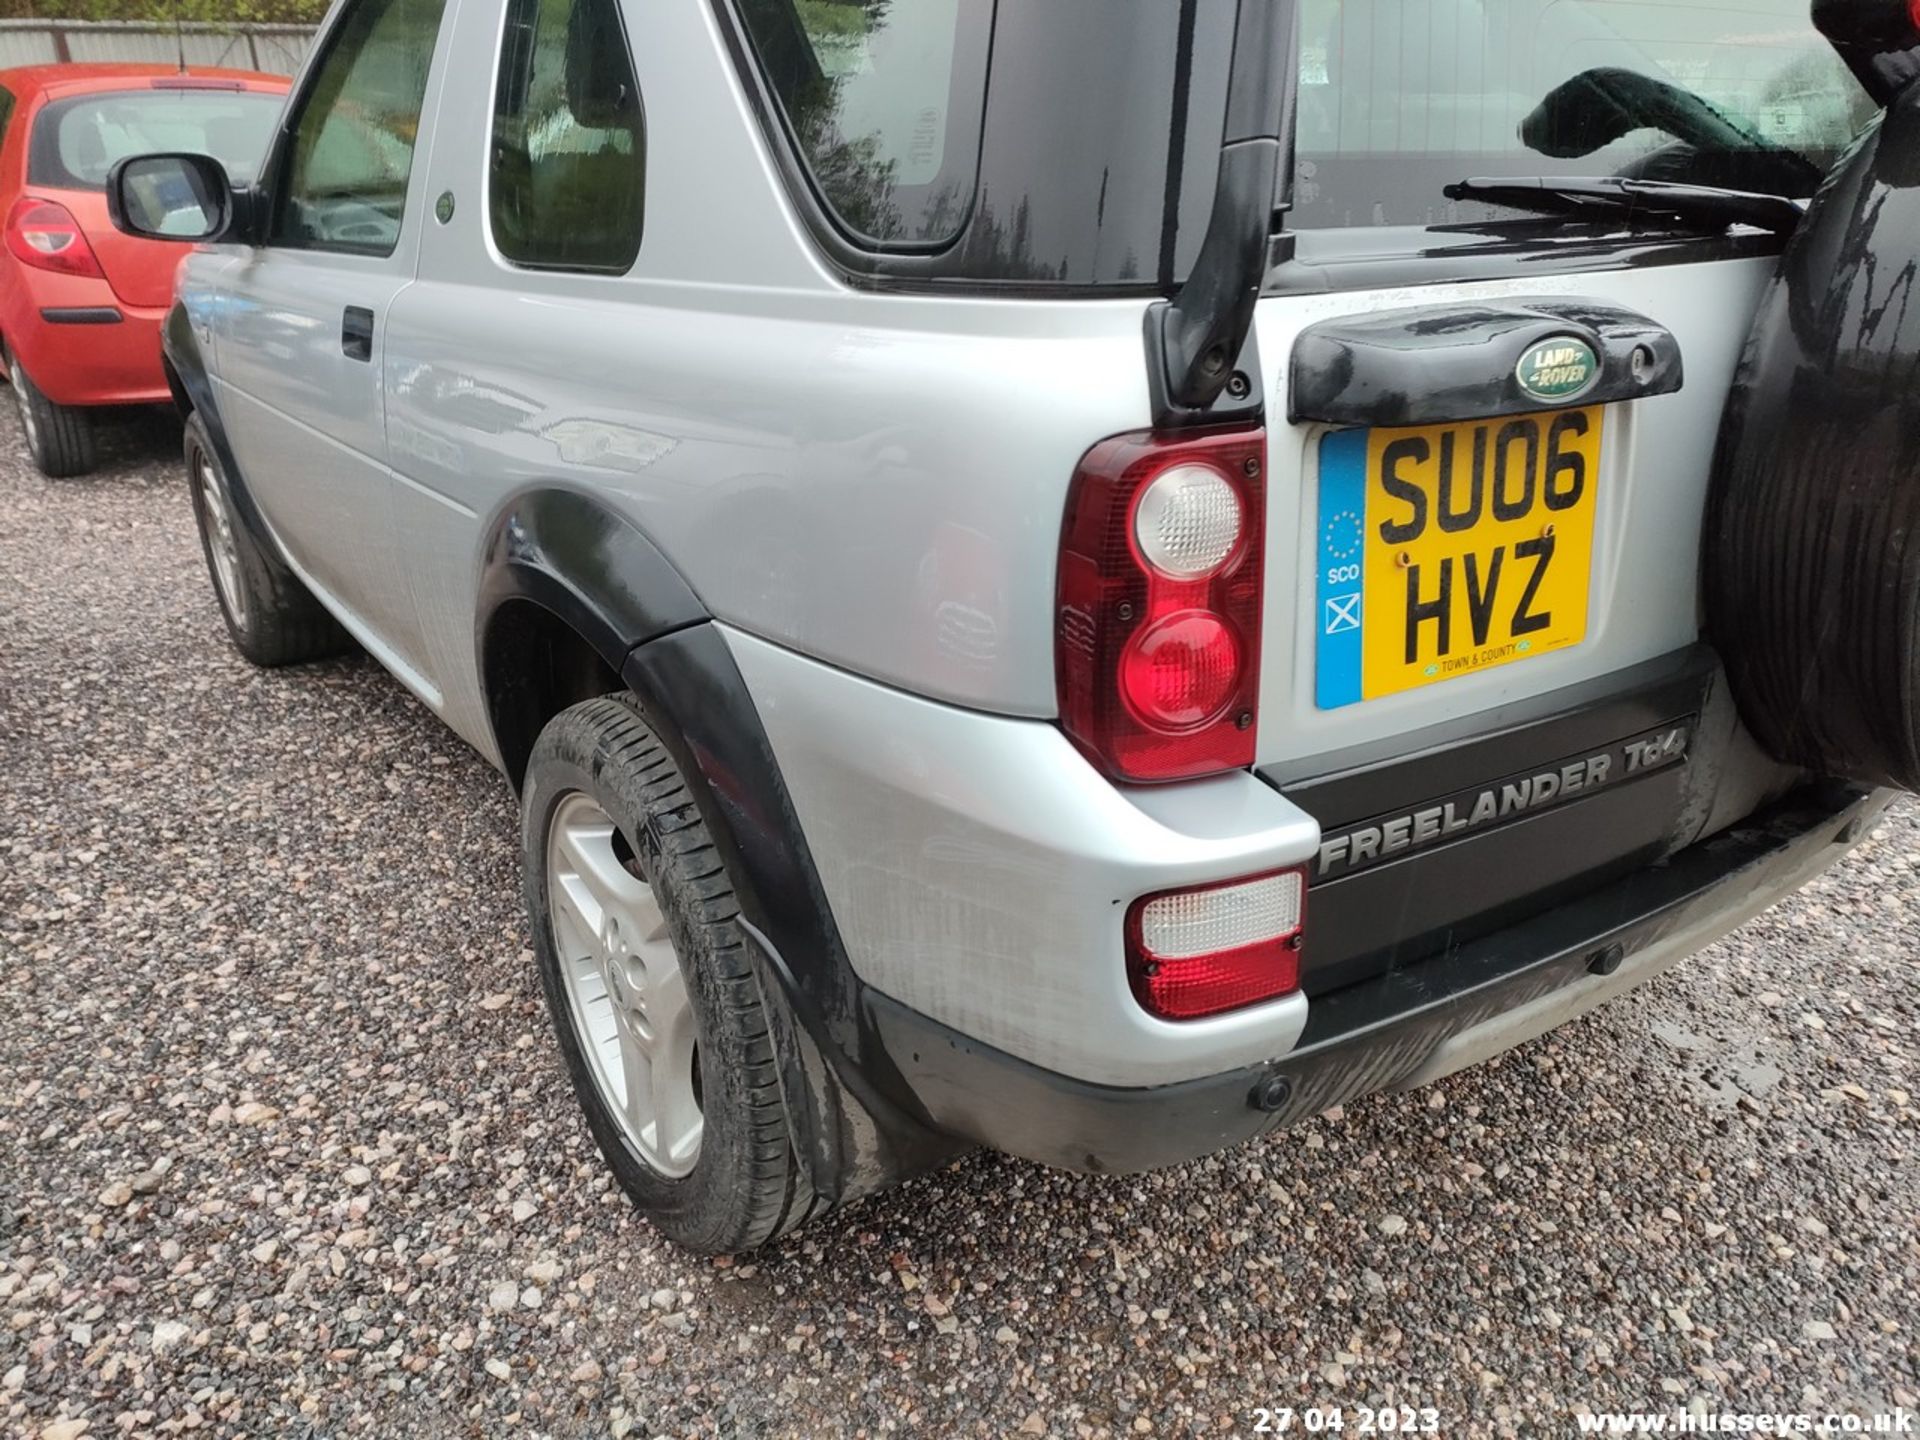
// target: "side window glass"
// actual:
[[568, 171], [351, 152], [6, 110], [884, 99]]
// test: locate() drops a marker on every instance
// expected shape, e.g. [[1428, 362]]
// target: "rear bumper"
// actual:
[[90, 349], [1402, 1029], [979, 870]]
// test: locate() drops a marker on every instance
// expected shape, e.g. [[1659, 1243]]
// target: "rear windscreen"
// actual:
[[1399, 99], [77, 141], [883, 99]]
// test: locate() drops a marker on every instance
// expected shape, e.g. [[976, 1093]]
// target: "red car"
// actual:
[[80, 303]]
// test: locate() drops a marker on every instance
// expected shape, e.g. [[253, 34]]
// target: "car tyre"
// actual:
[[271, 616], [649, 978], [59, 437]]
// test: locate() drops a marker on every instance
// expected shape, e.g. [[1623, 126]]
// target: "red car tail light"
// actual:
[[1215, 948], [1158, 638], [47, 237]]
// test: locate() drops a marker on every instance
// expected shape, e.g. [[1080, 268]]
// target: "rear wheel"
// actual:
[[272, 618], [59, 437], [657, 1005]]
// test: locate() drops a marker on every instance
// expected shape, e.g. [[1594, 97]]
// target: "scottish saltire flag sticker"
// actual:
[[1341, 556]]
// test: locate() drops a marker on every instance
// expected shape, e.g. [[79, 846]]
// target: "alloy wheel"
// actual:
[[625, 986], [221, 543], [28, 422]]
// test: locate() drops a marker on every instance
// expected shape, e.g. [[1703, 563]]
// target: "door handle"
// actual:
[[356, 333]]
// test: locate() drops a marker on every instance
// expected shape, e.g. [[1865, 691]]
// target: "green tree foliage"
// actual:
[[218, 12]]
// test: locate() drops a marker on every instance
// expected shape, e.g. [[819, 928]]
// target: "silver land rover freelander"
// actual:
[[1091, 577]]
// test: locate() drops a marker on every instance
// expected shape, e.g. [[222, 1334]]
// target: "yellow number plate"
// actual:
[[1449, 549]]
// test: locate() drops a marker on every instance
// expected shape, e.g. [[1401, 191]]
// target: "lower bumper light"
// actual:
[[1215, 948]]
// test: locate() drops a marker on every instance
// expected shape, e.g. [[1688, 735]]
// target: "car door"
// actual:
[[543, 174], [300, 332]]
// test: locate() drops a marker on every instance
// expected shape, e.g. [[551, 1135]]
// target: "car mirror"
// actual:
[[172, 197]]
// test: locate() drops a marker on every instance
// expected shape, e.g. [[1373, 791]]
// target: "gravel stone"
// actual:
[[256, 923]]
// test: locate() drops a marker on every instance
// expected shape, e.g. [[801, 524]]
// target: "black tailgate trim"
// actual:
[[1408, 907]]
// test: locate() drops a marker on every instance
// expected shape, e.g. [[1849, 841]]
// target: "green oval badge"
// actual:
[[1558, 369]]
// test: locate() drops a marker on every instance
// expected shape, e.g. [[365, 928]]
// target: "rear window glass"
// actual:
[[77, 141], [1398, 100], [568, 174], [883, 100]]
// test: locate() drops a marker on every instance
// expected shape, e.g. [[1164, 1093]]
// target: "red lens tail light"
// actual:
[[1161, 566], [47, 237], [1215, 948]]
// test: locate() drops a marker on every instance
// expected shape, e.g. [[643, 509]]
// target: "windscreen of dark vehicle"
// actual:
[[77, 141], [1398, 100]]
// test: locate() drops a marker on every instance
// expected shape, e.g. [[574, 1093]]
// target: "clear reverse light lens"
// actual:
[[1205, 922], [1187, 521]]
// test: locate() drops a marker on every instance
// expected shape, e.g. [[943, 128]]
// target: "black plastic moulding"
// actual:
[[1436, 364], [82, 315], [1201, 358]]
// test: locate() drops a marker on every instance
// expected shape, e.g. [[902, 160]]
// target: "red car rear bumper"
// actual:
[[82, 346]]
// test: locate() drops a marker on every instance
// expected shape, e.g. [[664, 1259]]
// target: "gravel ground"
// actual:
[[285, 1146]]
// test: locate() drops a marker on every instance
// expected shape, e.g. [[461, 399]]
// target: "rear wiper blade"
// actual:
[[1581, 195]]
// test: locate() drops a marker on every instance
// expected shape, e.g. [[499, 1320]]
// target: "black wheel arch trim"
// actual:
[[596, 571], [191, 381], [859, 1125], [569, 554]]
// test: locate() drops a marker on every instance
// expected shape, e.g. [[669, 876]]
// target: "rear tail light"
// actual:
[[1158, 639], [47, 237], [1216, 948]]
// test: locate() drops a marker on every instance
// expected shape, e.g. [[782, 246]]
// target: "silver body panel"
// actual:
[[871, 480], [1652, 493], [980, 870], [866, 490]]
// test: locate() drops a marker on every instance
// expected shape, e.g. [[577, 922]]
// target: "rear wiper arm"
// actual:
[[1597, 195]]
